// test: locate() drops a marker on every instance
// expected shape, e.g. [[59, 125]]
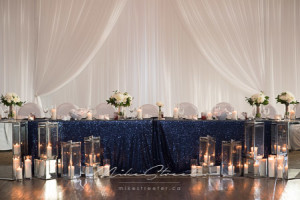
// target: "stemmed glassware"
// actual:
[[132, 110], [45, 109]]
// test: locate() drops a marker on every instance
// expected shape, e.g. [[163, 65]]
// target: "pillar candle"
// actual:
[[106, 170], [14, 114], [89, 116], [278, 149], [280, 159], [199, 170], [71, 170], [16, 164], [230, 170], [262, 167], [271, 166], [234, 115], [49, 151], [286, 168], [218, 169], [193, 170], [91, 159], [53, 113], [292, 115], [19, 173], [139, 114], [206, 158], [28, 170], [245, 168], [42, 167], [209, 116], [175, 113], [256, 169], [279, 172], [283, 149], [100, 170], [17, 149], [254, 151]]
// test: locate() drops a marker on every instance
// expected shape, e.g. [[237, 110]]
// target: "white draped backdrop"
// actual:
[[198, 51]]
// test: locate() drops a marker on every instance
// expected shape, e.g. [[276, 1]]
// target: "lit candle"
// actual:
[[234, 115], [49, 151], [255, 151], [89, 116], [258, 157], [286, 168], [245, 168], [277, 117], [230, 170], [256, 169], [279, 172], [139, 114], [19, 173], [106, 170], [42, 167], [17, 149], [16, 164], [199, 170], [28, 170], [271, 166], [211, 164], [53, 113], [218, 169], [280, 159], [278, 149], [209, 116], [91, 159], [292, 115], [283, 149], [193, 170], [175, 113], [71, 171], [100, 170], [206, 158], [59, 168], [262, 167]]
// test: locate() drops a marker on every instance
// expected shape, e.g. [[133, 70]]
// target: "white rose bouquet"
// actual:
[[120, 100], [11, 99], [257, 100], [286, 98]]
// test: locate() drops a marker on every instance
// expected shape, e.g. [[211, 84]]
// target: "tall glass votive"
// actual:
[[28, 167], [207, 151], [59, 167], [36, 167], [254, 139], [92, 155], [279, 138], [272, 166], [16, 164], [48, 140], [71, 159], [106, 167], [231, 158]]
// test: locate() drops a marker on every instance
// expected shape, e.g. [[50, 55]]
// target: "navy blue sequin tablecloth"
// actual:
[[138, 145], [177, 142]]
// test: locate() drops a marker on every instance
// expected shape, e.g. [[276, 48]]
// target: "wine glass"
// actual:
[[6, 112], [181, 112], [131, 110], [45, 109]]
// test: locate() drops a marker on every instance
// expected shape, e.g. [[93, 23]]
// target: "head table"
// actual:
[[136, 146]]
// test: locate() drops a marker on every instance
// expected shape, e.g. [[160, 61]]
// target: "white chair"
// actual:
[[189, 109], [29, 108], [297, 110], [105, 109], [149, 110], [222, 107], [64, 109]]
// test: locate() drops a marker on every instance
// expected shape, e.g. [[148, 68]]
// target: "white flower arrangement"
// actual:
[[159, 104], [11, 99], [258, 99], [120, 99], [286, 98]]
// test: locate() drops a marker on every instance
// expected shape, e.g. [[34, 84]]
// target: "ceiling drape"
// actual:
[[199, 51]]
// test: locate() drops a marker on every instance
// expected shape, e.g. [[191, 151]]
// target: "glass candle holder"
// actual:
[[254, 139], [207, 151], [71, 159], [36, 167], [47, 169], [48, 140], [92, 150], [59, 167], [28, 167], [16, 164], [231, 158], [106, 167]]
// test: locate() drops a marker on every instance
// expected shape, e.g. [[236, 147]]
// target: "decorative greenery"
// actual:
[[11, 99], [286, 98]]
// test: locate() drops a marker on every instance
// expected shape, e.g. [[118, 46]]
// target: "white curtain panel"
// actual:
[[198, 51]]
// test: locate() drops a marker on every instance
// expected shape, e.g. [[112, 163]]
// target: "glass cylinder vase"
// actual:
[[258, 114], [121, 113], [286, 113], [71, 159]]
